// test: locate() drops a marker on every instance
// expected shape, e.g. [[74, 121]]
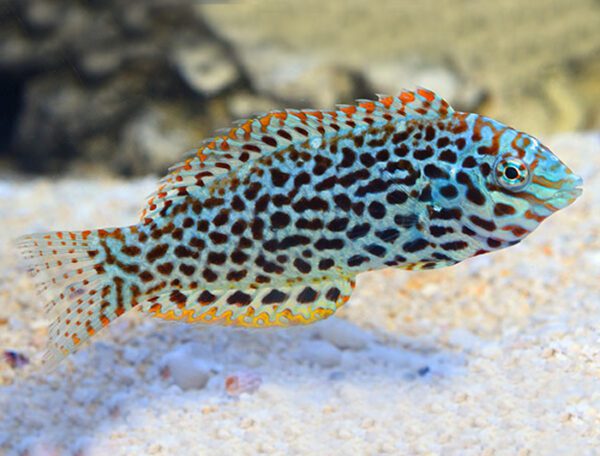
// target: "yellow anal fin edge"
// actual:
[[302, 304]]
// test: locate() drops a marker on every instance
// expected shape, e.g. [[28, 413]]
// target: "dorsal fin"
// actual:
[[278, 130]]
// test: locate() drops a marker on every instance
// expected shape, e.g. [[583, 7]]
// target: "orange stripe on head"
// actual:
[[547, 183], [533, 216], [529, 197], [515, 229], [513, 143]]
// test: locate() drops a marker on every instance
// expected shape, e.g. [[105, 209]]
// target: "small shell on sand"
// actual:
[[242, 382], [15, 359]]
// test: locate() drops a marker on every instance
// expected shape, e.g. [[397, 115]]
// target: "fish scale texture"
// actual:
[[496, 355]]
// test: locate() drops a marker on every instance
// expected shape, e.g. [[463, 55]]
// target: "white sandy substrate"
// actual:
[[499, 355]]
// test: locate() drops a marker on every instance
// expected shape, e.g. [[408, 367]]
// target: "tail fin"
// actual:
[[73, 271]]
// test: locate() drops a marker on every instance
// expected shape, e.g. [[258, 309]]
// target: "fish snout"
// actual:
[[568, 190]]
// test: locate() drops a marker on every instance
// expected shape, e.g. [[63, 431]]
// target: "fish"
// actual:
[[268, 223]]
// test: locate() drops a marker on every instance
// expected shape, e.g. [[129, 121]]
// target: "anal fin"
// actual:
[[301, 304]]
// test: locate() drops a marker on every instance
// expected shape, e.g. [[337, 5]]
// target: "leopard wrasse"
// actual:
[[268, 223]]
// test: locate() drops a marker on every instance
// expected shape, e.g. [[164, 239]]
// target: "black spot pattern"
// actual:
[[275, 297], [395, 194], [307, 295]]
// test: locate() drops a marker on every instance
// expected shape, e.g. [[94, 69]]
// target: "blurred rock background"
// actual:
[[126, 87]]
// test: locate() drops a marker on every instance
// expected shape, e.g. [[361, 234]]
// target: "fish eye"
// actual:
[[512, 174]]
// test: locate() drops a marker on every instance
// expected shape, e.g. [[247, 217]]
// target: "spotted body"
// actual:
[[269, 223]]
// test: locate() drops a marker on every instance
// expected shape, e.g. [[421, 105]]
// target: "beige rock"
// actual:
[[206, 68]]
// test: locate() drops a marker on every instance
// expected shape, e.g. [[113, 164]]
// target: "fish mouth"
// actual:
[[569, 192]]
